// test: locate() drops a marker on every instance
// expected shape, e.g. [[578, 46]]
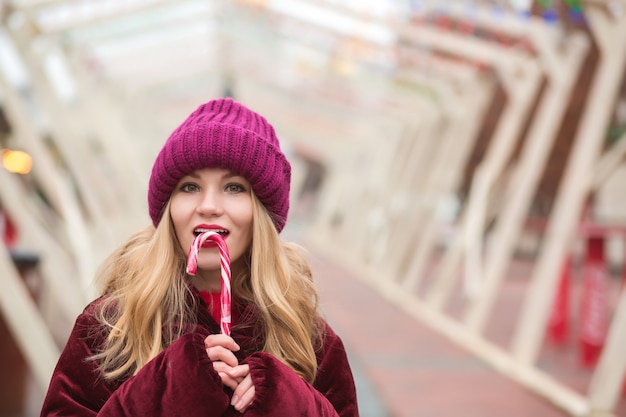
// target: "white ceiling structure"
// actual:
[[317, 69]]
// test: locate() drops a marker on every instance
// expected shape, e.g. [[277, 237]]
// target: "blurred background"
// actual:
[[458, 177]]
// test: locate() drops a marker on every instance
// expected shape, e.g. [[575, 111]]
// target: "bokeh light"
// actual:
[[16, 162]]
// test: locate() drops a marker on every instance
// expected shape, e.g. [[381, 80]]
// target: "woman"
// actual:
[[150, 345]]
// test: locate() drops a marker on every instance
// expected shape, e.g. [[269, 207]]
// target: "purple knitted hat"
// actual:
[[224, 134]]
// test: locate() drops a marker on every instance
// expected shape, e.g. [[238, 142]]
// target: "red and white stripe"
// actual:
[[225, 295]]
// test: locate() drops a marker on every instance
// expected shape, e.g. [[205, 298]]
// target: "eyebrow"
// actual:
[[227, 175]]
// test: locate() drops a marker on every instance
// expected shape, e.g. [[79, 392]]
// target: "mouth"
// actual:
[[198, 231]]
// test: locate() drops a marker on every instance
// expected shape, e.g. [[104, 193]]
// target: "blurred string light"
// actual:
[[16, 162], [575, 10], [11, 66], [58, 72], [339, 22], [522, 8], [550, 15]]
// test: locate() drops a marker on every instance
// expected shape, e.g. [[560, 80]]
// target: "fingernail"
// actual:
[[234, 400]]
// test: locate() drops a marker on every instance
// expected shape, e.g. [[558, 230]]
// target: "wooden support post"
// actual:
[[444, 180], [561, 72], [26, 323], [77, 137], [521, 87], [64, 124], [58, 268], [420, 189], [609, 162], [409, 166], [347, 202], [56, 187], [575, 185]]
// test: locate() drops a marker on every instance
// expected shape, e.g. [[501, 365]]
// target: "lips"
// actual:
[[198, 230]]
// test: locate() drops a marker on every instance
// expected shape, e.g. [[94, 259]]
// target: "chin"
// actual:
[[209, 266]]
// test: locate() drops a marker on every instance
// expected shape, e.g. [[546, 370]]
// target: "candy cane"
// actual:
[[192, 265]]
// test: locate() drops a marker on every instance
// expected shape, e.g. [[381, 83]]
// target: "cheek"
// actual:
[[245, 220], [175, 221], [178, 220], [180, 236], [180, 207]]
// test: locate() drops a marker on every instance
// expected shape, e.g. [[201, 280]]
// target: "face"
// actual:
[[212, 199]]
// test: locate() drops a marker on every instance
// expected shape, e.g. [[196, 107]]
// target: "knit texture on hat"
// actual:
[[224, 134]]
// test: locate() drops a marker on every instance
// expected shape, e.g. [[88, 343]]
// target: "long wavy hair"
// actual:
[[147, 298]]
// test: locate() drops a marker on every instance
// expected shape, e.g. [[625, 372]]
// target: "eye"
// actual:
[[189, 187], [234, 188]]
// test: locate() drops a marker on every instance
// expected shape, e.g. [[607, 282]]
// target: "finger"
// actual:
[[239, 371], [228, 381], [243, 395], [221, 367], [219, 353], [221, 340]]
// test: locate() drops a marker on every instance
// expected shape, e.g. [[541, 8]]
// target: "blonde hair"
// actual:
[[148, 302], [282, 287]]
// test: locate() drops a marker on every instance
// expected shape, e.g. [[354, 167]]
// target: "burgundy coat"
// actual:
[[181, 381]]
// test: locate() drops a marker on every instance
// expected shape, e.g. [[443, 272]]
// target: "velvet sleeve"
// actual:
[[180, 381], [280, 392]]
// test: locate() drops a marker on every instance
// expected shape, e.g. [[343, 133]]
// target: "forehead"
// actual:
[[213, 174]]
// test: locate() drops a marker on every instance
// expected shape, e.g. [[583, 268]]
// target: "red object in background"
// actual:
[[442, 21], [8, 230], [594, 309], [466, 27], [558, 327]]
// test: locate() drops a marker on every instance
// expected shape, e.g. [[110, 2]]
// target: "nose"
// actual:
[[210, 203]]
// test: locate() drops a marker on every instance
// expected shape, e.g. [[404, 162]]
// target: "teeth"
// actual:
[[202, 230]]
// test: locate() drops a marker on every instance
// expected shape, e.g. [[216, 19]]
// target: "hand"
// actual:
[[219, 349], [244, 393]]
